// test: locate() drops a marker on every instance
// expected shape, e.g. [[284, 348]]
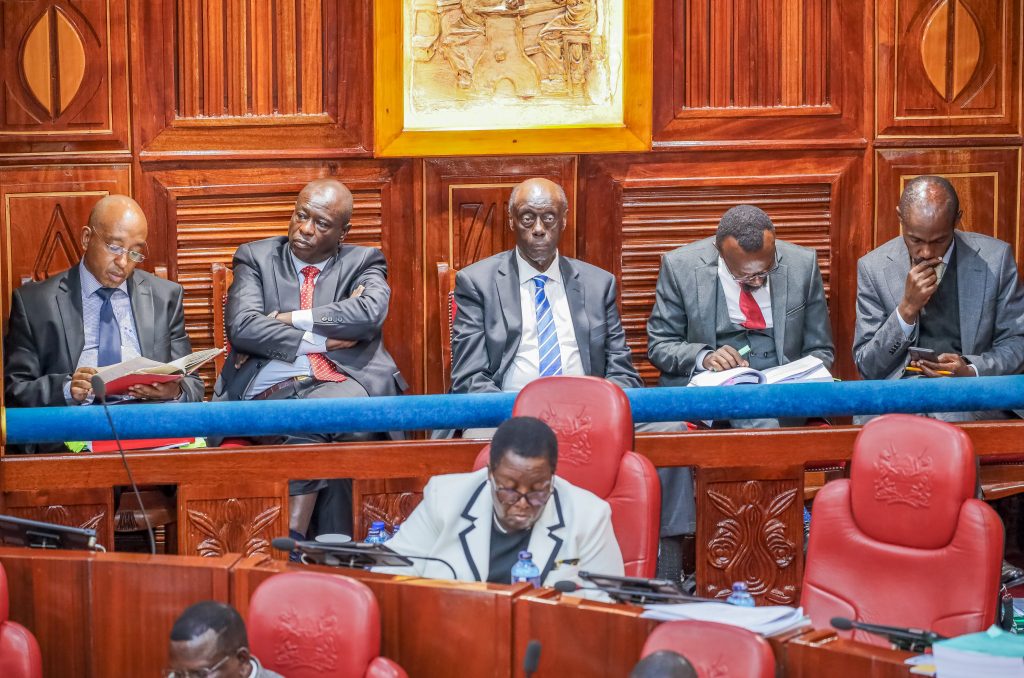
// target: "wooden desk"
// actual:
[[822, 653]]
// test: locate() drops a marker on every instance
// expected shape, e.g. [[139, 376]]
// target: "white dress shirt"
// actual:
[[731, 289], [526, 365], [277, 371]]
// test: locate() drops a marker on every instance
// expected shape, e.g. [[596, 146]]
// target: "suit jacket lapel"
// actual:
[[328, 283], [707, 301], [545, 544], [574, 294], [970, 288], [896, 274], [285, 283], [141, 297], [69, 305], [476, 539], [779, 292], [507, 286]]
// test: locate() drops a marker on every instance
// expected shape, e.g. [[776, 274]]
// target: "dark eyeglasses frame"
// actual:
[[196, 673], [118, 250], [509, 497]]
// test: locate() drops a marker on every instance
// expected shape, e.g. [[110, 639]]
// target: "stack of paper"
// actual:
[[993, 654], [737, 375], [767, 620], [808, 368]]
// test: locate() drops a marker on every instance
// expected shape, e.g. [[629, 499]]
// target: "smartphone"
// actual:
[[918, 353]]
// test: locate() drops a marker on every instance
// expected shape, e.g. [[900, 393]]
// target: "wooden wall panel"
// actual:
[[208, 212], [948, 67], [987, 180], [63, 76], [639, 207], [242, 78], [44, 210], [769, 70], [240, 518], [465, 219]]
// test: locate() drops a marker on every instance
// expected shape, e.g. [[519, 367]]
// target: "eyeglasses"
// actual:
[[510, 497], [195, 673], [755, 277], [118, 251]]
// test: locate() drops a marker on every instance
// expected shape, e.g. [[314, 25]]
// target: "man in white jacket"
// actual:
[[479, 522]]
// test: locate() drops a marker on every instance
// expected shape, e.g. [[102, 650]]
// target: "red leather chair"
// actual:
[[306, 625], [594, 425], [19, 651], [714, 650], [903, 542]]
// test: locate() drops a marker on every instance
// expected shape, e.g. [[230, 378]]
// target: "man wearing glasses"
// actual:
[[479, 522], [938, 302], [740, 298], [99, 312], [209, 640]]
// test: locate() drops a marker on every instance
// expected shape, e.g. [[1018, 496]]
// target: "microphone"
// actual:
[[99, 389], [913, 639], [629, 595], [352, 552], [532, 658]]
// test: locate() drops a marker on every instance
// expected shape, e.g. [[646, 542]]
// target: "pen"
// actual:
[[744, 351], [944, 373]]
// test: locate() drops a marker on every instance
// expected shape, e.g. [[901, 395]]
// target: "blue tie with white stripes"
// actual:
[[547, 335]]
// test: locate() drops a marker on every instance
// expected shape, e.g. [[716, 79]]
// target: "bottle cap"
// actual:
[[525, 555], [377, 525]]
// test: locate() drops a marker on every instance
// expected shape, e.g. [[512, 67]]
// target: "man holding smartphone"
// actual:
[[936, 301]]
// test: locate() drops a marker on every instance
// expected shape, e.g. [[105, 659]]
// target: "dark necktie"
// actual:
[[109, 343], [323, 368]]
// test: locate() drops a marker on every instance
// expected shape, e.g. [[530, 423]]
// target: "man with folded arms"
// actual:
[[479, 522], [939, 288], [99, 312], [304, 318]]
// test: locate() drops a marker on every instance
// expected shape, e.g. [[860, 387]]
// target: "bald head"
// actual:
[[114, 241], [539, 187], [929, 211], [320, 220]]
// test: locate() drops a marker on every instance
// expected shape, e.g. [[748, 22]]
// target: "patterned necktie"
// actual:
[[109, 340], [751, 311], [323, 368], [547, 335]]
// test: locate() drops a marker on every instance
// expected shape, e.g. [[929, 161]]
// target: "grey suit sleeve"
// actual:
[[192, 387], [1007, 353], [618, 358], [817, 327], [249, 329], [879, 345], [470, 366], [667, 346], [360, 318], [25, 385]]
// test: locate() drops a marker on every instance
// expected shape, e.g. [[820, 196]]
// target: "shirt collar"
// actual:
[[528, 272], [299, 264], [90, 284], [949, 252]]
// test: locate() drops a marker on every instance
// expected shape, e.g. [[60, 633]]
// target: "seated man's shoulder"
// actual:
[[985, 243], [262, 248], [699, 250], [485, 267], [448, 483], [589, 270], [161, 285], [888, 250], [799, 252], [42, 290]]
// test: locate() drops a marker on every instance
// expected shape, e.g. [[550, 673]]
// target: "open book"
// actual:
[[809, 368], [122, 376]]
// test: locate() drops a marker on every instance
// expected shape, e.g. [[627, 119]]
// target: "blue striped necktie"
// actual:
[[109, 335], [547, 335]]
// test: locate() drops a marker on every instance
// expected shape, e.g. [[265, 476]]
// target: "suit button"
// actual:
[[324, 319]]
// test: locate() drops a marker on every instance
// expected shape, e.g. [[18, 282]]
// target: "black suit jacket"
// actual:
[[488, 324], [46, 335], [265, 281]]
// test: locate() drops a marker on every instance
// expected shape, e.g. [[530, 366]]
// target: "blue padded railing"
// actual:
[[55, 424]]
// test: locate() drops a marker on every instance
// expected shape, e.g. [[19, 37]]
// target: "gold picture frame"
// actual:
[[626, 128]]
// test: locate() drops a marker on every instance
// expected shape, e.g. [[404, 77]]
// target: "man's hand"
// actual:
[[81, 386], [947, 362], [335, 344], [285, 317], [167, 390], [922, 281], [725, 358]]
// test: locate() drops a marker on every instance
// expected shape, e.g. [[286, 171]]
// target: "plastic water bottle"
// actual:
[[524, 571], [394, 530], [377, 533], [740, 595]]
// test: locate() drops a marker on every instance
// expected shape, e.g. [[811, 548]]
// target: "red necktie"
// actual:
[[323, 368], [751, 311]]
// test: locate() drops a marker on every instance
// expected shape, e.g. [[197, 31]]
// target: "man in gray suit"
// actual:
[[938, 288], [304, 318], [532, 312], [100, 312], [741, 288]]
